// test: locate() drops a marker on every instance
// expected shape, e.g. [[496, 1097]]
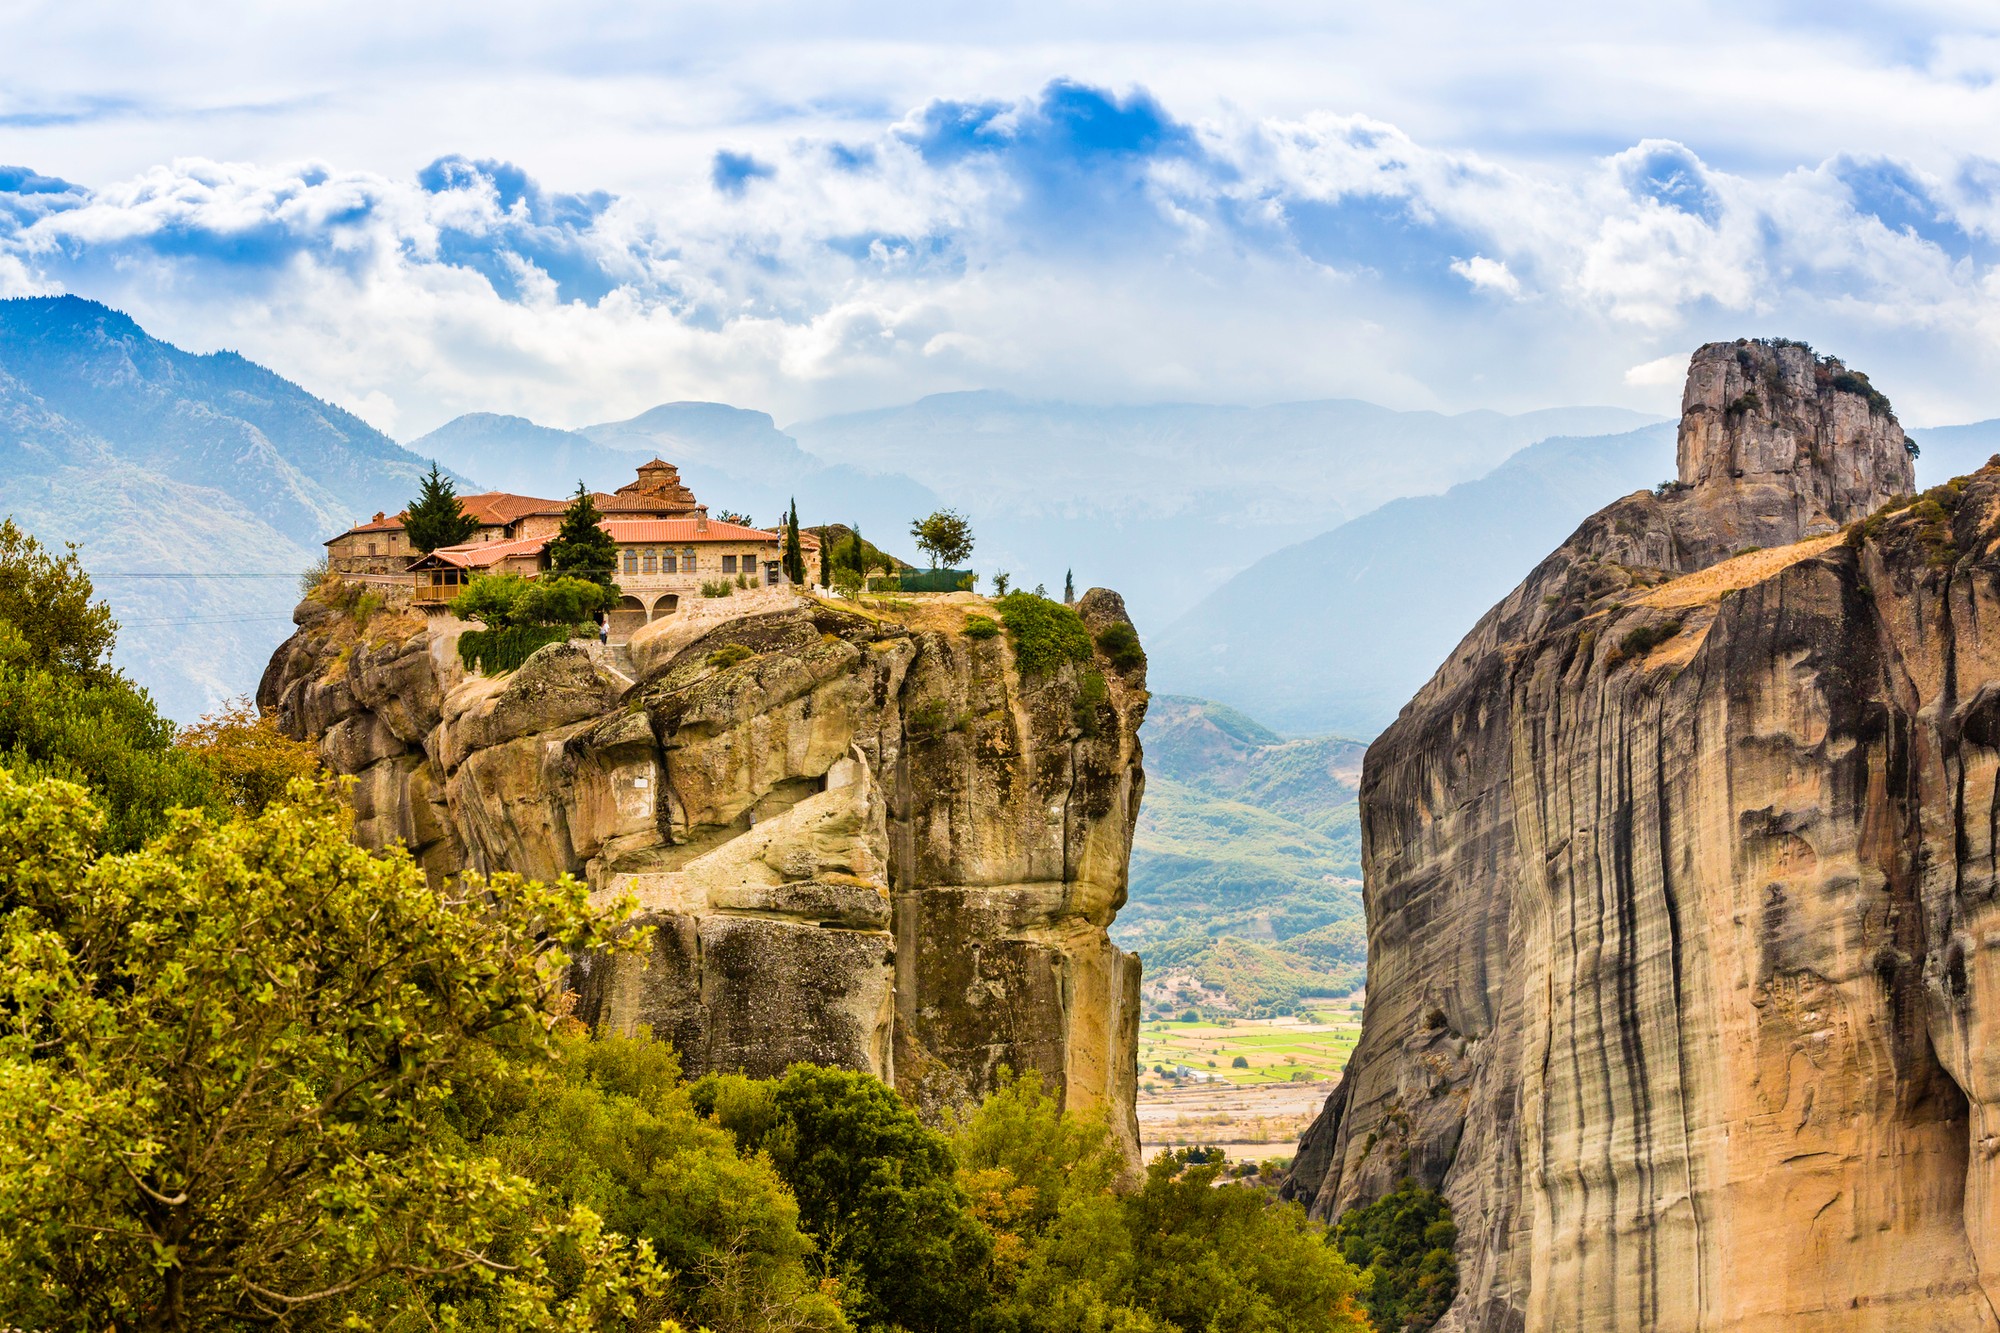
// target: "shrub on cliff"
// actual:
[[1119, 643], [501, 601], [1404, 1240], [1046, 634]]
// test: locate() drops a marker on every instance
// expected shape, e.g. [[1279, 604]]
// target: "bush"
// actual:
[[729, 655], [1648, 637], [1119, 642], [717, 588], [494, 652], [1046, 634], [1404, 1240], [507, 600], [847, 582], [980, 627], [1240, 1062], [929, 719], [885, 583], [1191, 1016], [250, 762], [1091, 696], [314, 574]]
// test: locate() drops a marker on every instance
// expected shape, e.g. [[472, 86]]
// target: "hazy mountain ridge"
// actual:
[[159, 462], [1335, 633]]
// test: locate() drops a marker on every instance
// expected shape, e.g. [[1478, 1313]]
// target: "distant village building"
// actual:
[[667, 546]]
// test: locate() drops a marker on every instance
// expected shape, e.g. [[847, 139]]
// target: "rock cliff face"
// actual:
[[862, 840], [1681, 878]]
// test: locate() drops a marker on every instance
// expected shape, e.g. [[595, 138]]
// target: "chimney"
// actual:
[[378, 516], [701, 518]]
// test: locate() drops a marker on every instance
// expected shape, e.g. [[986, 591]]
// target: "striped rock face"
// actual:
[[1681, 877], [861, 840]]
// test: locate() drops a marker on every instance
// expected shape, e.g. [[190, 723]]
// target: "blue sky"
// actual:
[[576, 212]]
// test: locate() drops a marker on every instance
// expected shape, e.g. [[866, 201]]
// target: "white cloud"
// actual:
[[1488, 275], [1127, 251], [1664, 371]]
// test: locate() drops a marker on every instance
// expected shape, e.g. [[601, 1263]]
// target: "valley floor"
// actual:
[[1253, 1112]]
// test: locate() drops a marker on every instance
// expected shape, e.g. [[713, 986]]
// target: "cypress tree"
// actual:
[[581, 549], [436, 518], [825, 554], [1069, 586], [795, 558]]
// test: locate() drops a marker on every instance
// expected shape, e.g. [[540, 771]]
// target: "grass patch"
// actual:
[[728, 655]]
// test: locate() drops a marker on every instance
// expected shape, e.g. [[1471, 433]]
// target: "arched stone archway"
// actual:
[[667, 605], [628, 615]]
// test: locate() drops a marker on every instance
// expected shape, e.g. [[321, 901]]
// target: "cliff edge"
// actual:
[[863, 837], [1681, 884]]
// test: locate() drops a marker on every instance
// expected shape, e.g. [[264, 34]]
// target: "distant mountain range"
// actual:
[[197, 487], [1336, 633]]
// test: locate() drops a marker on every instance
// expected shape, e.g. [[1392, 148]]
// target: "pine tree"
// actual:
[[436, 518], [795, 558], [581, 548], [1069, 586]]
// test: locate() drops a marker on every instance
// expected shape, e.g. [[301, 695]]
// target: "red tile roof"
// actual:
[[669, 530], [499, 508], [484, 555]]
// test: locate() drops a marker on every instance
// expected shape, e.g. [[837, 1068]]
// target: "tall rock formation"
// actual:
[[1681, 878], [861, 839]]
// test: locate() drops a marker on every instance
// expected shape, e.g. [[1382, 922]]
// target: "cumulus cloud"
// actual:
[[1079, 241]]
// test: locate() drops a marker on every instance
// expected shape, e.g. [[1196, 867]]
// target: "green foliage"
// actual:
[[1405, 1242], [49, 602], [794, 557], [945, 536], [1046, 634], [885, 583], [875, 1188], [729, 654], [222, 1064], [314, 574], [717, 588], [1746, 403], [611, 1128], [64, 712], [1191, 1016], [249, 761], [1069, 587], [436, 518], [980, 627], [825, 556], [1091, 696], [1854, 382], [1240, 1062], [508, 601], [1183, 1253], [494, 652], [1645, 638], [1119, 643], [1001, 581], [581, 548]]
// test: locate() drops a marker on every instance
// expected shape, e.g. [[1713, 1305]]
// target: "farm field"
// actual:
[[1252, 1113], [1273, 1050]]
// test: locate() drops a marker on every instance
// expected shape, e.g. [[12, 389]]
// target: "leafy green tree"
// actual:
[[249, 760], [50, 604], [506, 600], [945, 535], [436, 518], [876, 1188], [581, 548], [1185, 1253], [611, 1127], [1406, 1241], [222, 1063], [65, 712]]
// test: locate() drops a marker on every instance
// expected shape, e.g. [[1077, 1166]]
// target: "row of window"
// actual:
[[682, 561]]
